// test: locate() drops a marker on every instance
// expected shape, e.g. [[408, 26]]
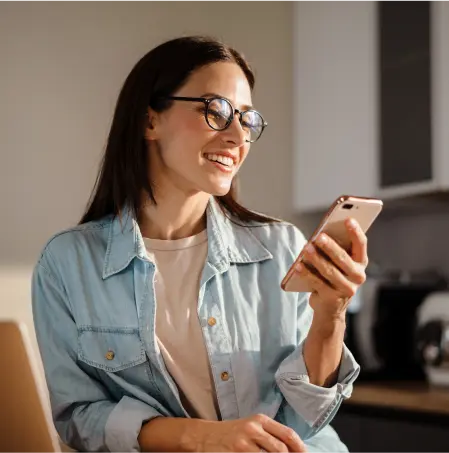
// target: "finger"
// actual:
[[304, 266], [247, 446], [353, 270], [315, 281], [271, 443], [359, 241], [330, 272], [285, 434]]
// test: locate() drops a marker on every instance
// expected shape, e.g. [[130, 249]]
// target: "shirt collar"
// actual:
[[228, 242]]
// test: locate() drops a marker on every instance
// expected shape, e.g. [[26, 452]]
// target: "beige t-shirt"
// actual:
[[179, 264]]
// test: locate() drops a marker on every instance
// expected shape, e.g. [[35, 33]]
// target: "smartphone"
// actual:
[[363, 210]]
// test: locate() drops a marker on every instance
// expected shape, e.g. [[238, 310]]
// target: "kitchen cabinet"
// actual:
[[349, 133], [400, 416], [414, 98], [386, 431], [334, 93]]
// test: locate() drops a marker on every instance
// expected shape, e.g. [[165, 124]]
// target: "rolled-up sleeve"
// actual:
[[316, 405], [124, 423], [85, 415]]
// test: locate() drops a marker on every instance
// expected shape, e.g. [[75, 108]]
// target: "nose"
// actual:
[[234, 133]]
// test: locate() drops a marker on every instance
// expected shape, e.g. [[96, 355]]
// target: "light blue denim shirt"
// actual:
[[94, 311]]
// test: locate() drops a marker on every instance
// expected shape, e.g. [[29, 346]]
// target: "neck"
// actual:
[[174, 217]]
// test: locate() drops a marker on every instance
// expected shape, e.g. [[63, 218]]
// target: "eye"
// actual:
[[216, 114], [216, 118], [247, 125], [252, 120]]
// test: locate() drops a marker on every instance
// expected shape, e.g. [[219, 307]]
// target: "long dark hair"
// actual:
[[123, 174]]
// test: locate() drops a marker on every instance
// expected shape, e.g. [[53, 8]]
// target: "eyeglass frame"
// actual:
[[207, 101]]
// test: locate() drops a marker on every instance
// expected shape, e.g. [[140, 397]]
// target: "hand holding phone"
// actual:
[[363, 210]]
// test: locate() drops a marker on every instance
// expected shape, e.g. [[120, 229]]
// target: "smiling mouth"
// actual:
[[226, 161]]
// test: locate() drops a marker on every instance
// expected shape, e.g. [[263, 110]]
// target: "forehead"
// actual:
[[223, 78]]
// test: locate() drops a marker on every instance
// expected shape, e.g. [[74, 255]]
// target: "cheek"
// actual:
[[244, 150], [185, 135], [192, 123], [191, 131]]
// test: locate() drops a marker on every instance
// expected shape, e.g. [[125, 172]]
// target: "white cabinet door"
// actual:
[[334, 102]]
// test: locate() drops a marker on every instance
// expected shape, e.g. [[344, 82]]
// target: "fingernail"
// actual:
[[352, 223], [322, 239], [299, 267], [310, 248]]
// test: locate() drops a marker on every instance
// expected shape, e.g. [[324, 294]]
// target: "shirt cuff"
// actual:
[[316, 405], [125, 422]]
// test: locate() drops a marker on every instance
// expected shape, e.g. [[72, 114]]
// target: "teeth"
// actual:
[[228, 161]]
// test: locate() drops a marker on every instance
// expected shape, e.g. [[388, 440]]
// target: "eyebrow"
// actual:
[[212, 95]]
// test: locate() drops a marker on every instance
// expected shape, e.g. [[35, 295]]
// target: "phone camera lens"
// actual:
[[348, 206]]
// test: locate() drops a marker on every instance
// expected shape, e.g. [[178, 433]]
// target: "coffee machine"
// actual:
[[382, 326], [432, 338]]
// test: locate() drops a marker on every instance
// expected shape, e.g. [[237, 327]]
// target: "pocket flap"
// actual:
[[110, 349]]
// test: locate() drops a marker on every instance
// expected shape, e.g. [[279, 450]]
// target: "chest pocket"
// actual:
[[110, 349]]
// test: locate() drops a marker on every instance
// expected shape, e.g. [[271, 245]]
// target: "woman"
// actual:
[[160, 317]]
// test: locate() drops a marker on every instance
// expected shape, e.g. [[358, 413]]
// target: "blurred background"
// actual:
[[356, 95]]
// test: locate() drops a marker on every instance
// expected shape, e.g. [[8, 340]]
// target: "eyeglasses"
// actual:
[[219, 114]]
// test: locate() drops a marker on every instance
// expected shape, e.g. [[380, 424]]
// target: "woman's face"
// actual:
[[183, 146]]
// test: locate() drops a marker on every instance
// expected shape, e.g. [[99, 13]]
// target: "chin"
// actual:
[[218, 190]]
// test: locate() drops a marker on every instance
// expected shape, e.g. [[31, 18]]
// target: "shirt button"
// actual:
[[110, 355], [212, 321], [225, 376]]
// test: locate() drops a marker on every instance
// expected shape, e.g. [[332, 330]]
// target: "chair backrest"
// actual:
[[25, 420]]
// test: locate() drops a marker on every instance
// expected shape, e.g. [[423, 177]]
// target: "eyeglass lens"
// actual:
[[219, 113]]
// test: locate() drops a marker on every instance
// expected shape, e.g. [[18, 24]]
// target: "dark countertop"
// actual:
[[404, 396]]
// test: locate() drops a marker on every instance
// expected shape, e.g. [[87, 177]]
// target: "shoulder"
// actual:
[[68, 243], [280, 238]]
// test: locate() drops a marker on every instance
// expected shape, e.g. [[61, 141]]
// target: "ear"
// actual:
[[152, 121]]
